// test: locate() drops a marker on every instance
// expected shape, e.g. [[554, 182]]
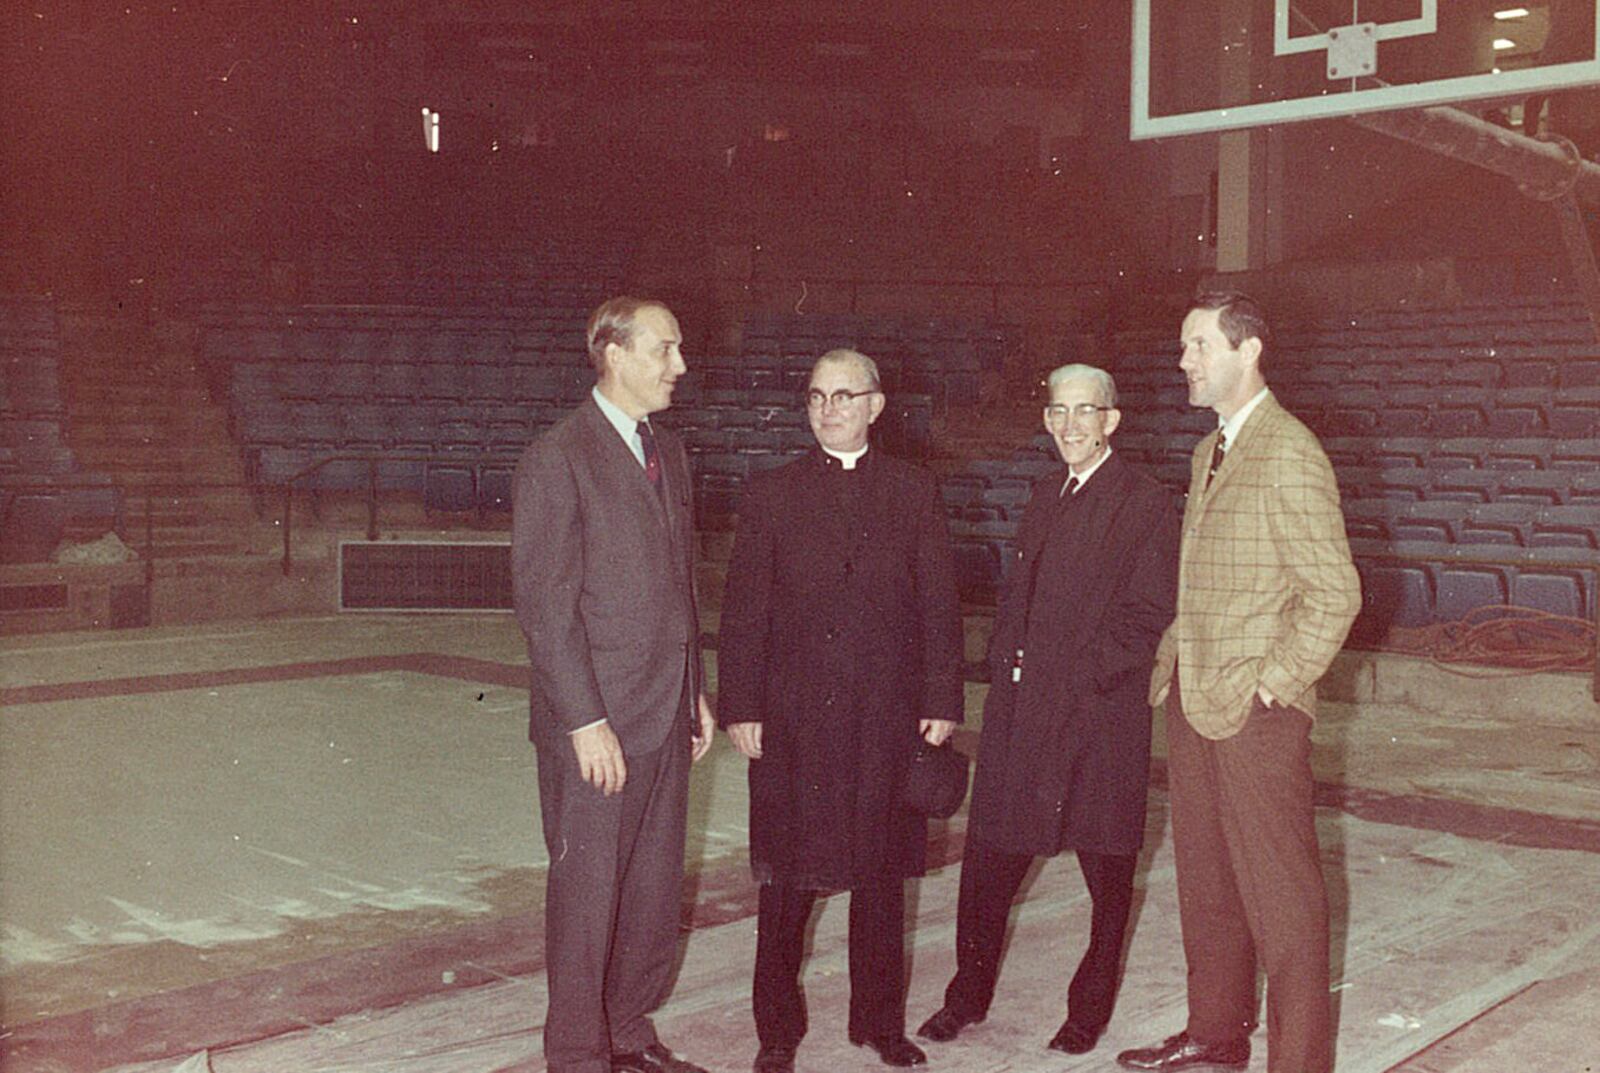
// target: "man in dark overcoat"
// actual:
[[1064, 753], [839, 647]]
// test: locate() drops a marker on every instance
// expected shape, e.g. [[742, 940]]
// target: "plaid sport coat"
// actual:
[[1266, 587]]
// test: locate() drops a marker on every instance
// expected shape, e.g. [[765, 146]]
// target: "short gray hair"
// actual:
[[1075, 371], [852, 357]]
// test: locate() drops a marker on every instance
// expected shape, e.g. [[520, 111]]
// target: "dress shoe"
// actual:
[[946, 1024], [894, 1050], [1074, 1037], [653, 1059], [775, 1060], [1181, 1052]]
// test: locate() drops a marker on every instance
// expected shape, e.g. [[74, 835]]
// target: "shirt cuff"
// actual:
[[586, 726]]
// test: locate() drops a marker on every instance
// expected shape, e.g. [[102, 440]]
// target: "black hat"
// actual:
[[936, 780]]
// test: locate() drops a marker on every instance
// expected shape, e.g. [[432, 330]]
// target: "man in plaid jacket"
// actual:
[[1266, 594]]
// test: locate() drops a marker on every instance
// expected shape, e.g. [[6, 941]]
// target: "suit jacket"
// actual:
[[603, 583], [1064, 754], [1266, 587], [840, 630]]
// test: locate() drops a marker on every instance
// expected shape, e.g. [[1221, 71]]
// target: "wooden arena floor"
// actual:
[[312, 845]]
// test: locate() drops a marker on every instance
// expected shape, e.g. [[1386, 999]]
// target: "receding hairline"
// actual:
[[1093, 373], [845, 356]]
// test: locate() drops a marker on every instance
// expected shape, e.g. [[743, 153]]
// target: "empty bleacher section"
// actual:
[[439, 402], [45, 494], [433, 274], [1466, 443]]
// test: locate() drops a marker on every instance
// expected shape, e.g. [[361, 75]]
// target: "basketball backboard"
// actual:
[[1209, 65]]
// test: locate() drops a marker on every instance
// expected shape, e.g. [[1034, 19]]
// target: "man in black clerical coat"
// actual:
[[839, 647], [1064, 753]]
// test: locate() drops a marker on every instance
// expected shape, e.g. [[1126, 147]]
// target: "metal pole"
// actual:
[[1580, 255], [288, 505], [1463, 136], [372, 498]]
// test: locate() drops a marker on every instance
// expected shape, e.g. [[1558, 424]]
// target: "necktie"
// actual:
[[1070, 487], [1217, 454], [652, 461]]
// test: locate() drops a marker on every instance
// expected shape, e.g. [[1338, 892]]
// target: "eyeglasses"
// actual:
[[816, 400], [1057, 414]]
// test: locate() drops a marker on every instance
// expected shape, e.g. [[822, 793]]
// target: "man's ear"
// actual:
[[875, 405], [1113, 419], [1250, 350]]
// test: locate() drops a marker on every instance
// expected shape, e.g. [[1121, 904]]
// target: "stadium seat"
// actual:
[[1366, 519], [1504, 523], [1579, 372], [1581, 456], [494, 488], [1393, 593], [1518, 454], [1463, 587], [1575, 413], [1539, 487], [1433, 521], [449, 488], [1570, 526], [1560, 583], [1463, 485]]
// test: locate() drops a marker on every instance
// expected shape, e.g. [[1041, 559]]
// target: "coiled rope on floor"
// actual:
[[1497, 641]]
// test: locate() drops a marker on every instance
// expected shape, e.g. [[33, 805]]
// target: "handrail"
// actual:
[[151, 489], [758, 284], [147, 491], [475, 460]]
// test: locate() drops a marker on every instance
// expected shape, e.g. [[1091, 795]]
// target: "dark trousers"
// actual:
[[989, 883], [612, 902], [877, 962], [1250, 883]]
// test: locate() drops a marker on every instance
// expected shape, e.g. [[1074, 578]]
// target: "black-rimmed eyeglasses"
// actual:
[[816, 400]]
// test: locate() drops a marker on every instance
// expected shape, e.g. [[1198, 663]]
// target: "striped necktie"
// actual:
[[652, 461], [1217, 453]]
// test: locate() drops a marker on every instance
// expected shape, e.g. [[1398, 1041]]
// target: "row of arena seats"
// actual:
[[1564, 366], [549, 377], [43, 490], [1338, 337], [399, 354], [459, 456], [1440, 412], [1503, 524], [1419, 565], [350, 271], [997, 490]]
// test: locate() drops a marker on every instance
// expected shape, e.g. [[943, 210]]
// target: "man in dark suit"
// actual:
[[1064, 757], [840, 648], [1266, 594], [602, 554]]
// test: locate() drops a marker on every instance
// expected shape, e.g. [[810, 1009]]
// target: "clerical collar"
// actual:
[[846, 459]]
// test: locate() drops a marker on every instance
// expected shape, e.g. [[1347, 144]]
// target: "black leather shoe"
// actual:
[[1181, 1052], [1075, 1038], [775, 1060], [946, 1024], [653, 1059], [894, 1050]]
